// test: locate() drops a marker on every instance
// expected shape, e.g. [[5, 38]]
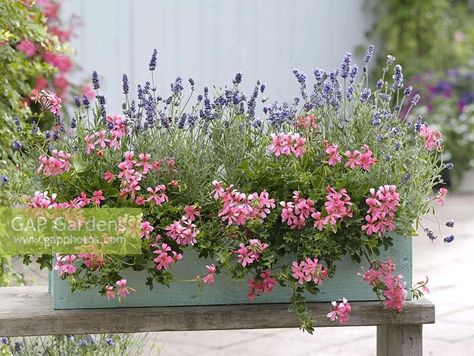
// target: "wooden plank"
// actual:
[[26, 311], [399, 340]]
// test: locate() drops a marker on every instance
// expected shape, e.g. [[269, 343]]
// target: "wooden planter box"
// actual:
[[347, 283]]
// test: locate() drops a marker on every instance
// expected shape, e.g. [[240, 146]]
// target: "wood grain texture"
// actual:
[[347, 283], [400, 340], [26, 311]]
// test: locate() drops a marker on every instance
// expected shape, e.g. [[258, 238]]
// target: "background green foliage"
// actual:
[[428, 35]]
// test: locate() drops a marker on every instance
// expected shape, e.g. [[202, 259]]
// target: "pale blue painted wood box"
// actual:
[[347, 283]]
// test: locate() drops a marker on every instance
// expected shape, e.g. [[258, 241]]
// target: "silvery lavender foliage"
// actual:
[[95, 80]]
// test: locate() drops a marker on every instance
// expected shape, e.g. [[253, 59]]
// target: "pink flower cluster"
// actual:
[[392, 286], [296, 212], [383, 204], [121, 290], [132, 173], [246, 255], [165, 256], [183, 231], [92, 261], [27, 47], [238, 208], [42, 200], [333, 152], [340, 311], [209, 277], [338, 206], [433, 138], [48, 100], [356, 158], [65, 264], [306, 122], [57, 163], [284, 144], [309, 270], [261, 284]]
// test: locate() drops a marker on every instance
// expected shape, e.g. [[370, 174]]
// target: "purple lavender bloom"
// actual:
[[345, 65], [349, 93], [418, 123], [398, 77], [4, 180], [73, 123], [152, 64], [177, 86], [415, 99], [95, 80], [77, 102], [101, 99], [191, 82], [16, 145], [449, 165], [450, 223], [85, 101], [319, 75], [125, 87], [353, 73], [238, 78], [449, 239], [406, 177], [407, 90], [301, 77], [365, 95], [369, 54], [18, 124], [379, 84], [262, 88], [431, 234]]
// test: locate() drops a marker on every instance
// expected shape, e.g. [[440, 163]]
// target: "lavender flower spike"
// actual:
[[152, 65], [345, 65], [95, 80], [125, 86], [398, 77], [369, 54]]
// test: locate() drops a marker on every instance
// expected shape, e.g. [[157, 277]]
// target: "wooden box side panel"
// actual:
[[347, 283]]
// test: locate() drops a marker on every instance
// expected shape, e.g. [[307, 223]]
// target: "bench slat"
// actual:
[[27, 311]]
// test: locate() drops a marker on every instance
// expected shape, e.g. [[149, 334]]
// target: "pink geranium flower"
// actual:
[[441, 195], [27, 47], [261, 284], [340, 311], [191, 212], [146, 229], [97, 197], [122, 289], [109, 292], [209, 277]]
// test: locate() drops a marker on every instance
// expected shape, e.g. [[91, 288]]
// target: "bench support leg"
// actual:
[[399, 340]]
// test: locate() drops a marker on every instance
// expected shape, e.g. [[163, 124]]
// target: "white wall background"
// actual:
[[210, 40]]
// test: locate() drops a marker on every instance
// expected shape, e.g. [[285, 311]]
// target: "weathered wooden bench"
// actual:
[[27, 311]]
